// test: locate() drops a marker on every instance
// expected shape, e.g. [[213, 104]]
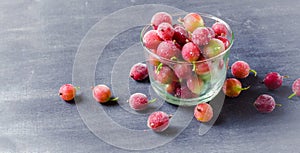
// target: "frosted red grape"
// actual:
[[139, 101], [181, 36], [241, 69], [67, 92], [190, 52], [168, 50], [195, 84], [295, 88], [164, 75], [159, 18], [184, 92], [158, 121], [203, 112], [220, 29], [201, 36], [139, 71], [171, 87], [151, 39], [264, 103], [165, 31], [273, 80], [182, 70], [224, 40]]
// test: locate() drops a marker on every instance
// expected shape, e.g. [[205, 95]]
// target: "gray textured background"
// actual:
[[38, 43]]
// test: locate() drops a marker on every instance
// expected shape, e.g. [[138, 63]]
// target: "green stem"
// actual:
[[152, 101], [285, 76], [292, 95], [174, 58], [255, 73], [114, 99], [241, 89], [77, 87], [279, 105], [158, 68], [194, 66]]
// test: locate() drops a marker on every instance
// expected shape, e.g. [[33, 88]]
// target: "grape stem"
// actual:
[[241, 89], [255, 73], [285, 76], [158, 68], [174, 58], [279, 105], [194, 66], [114, 99], [292, 95], [152, 100]]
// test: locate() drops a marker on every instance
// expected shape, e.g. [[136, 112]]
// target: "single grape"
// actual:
[[171, 87], [224, 40], [151, 39], [295, 88], [158, 121], [168, 50], [184, 92], [213, 48], [264, 103], [139, 101], [195, 84], [182, 70], [159, 18], [212, 32], [233, 87], [201, 36], [203, 112], [241, 69], [67, 92], [273, 80], [102, 94], [139, 71], [181, 36], [220, 29], [192, 21], [202, 68], [164, 75], [165, 31], [190, 52]]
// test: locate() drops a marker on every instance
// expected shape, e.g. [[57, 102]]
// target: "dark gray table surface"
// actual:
[[39, 40]]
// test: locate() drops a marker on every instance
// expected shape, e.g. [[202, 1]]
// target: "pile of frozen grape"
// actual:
[[188, 44], [189, 41]]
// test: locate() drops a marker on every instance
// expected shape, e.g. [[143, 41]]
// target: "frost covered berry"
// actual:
[[273, 80], [139, 101], [139, 71], [158, 121], [264, 103]]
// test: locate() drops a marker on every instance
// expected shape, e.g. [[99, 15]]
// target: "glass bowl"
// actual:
[[210, 76]]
